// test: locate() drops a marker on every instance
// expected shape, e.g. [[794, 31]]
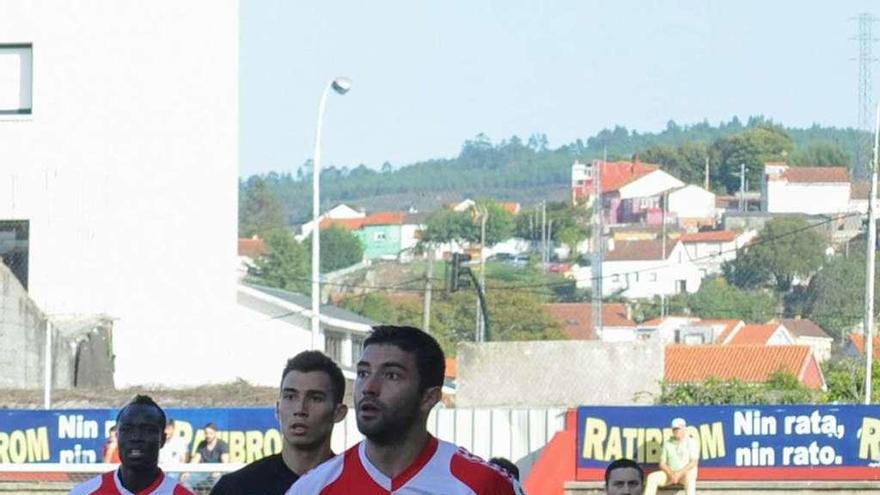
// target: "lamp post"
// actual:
[[340, 85]]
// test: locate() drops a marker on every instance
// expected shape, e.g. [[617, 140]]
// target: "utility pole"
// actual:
[[706, 175], [869, 275], [598, 247], [429, 279], [543, 231], [663, 249], [742, 186], [865, 38], [481, 328], [549, 239]]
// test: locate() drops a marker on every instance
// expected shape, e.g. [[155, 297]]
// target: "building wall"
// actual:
[[555, 373], [785, 197], [652, 184], [135, 106], [22, 334], [618, 334], [645, 279], [692, 202], [380, 241], [821, 347]]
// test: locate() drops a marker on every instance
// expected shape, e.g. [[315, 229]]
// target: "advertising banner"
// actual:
[[78, 435], [739, 442]]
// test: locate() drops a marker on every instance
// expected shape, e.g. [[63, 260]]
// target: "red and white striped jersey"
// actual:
[[109, 484], [441, 468]]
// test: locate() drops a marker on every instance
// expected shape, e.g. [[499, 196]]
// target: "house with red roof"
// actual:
[[773, 333], [808, 190], [710, 249], [753, 363], [807, 332], [631, 191], [855, 346], [692, 206], [577, 321], [644, 269], [384, 234]]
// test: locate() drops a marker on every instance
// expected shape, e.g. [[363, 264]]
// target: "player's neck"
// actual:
[[135, 480], [301, 460], [393, 458]]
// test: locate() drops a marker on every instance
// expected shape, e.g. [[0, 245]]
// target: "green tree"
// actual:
[[845, 379], [780, 388], [753, 148], [259, 209], [786, 248], [718, 299], [286, 265], [821, 155], [446, 226], [339, 249], [835, 297]]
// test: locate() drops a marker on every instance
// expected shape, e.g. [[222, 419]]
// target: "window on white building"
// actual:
[[16, 79], [615, 277]]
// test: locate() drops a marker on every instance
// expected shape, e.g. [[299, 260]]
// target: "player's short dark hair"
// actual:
[[143, 400], [308, 361], [624, 463], [430, 361], [506, 465], [212, 426]]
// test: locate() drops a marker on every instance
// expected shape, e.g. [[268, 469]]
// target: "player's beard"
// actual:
[[393, 424]]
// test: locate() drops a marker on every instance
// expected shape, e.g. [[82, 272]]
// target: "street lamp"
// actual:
[[341, 85]]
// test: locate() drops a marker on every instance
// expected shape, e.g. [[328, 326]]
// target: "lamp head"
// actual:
[[341, 85]]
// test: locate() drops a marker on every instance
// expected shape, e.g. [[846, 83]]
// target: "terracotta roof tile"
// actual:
[[754, 334], [858, 341], [345, 223], [639, 250], [577, 318], [729, 327], [618, 174], [709, 236], [749, 363], [512, 208], [816, 174], [252, 247], [805, 328], [385, 218]]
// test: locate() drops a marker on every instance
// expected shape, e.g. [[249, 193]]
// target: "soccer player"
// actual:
[[310, 403], [399, 381], [141, 431], [624, 477]]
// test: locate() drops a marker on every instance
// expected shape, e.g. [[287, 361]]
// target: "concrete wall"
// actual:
[[557, 373], [81, 354], [692, 202], [135, 109], [22, 335]]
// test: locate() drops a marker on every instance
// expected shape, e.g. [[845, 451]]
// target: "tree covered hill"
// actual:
[[529, 171]]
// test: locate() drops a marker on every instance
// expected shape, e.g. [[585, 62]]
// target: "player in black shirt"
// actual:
[[312, 388]]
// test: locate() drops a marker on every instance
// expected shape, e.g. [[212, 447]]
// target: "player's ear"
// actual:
[[430, 397], [339, 412]]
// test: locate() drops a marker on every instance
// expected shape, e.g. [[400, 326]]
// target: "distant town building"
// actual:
[[747, 363], [808, 190]]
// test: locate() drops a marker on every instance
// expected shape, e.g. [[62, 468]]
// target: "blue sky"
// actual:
[[429, 75]]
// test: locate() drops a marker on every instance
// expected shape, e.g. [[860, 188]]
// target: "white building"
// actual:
[[644, 269], [119, 124], [338, 212], [692, 205], [277, 324], [710, 249], [808, 190]]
